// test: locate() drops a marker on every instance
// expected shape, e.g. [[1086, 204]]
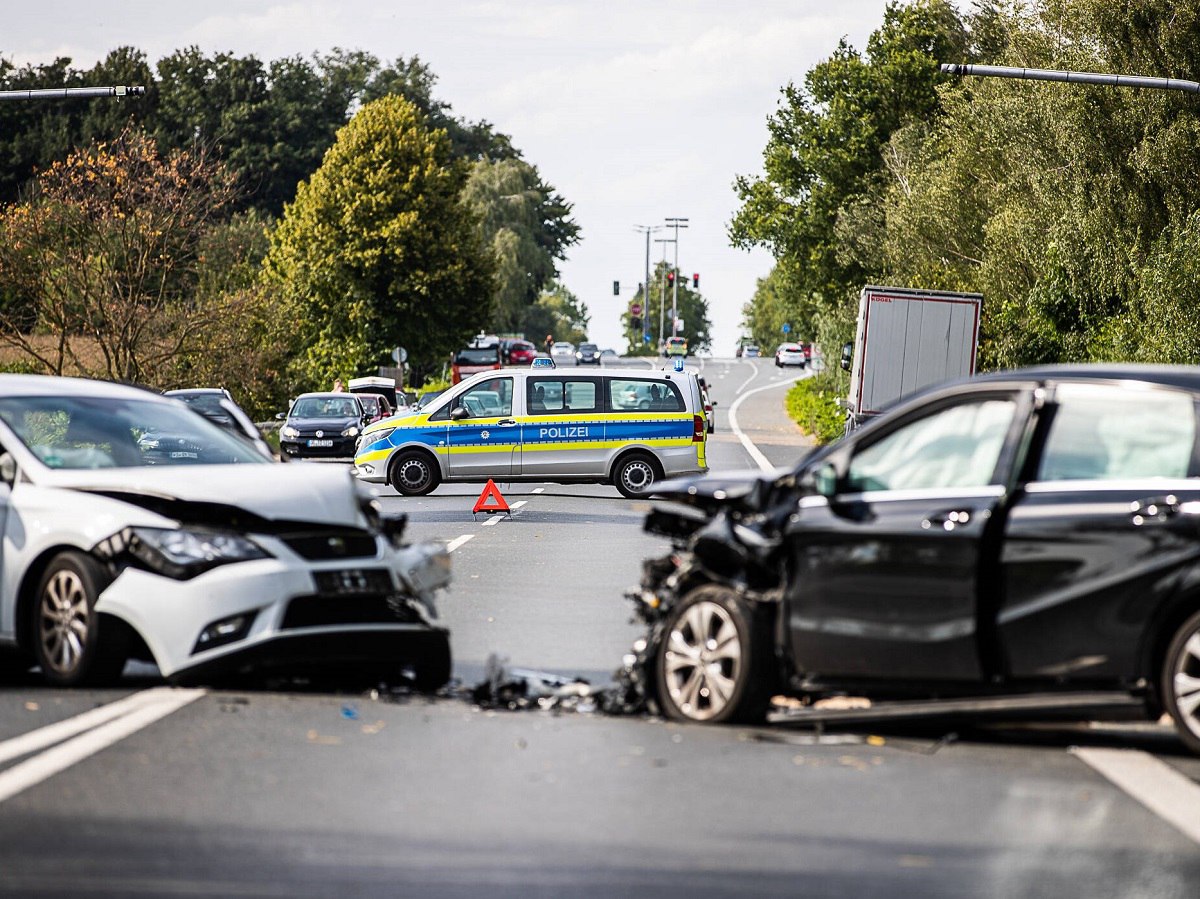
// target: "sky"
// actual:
[[633, 111]]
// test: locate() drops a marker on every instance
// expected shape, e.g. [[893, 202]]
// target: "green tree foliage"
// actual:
[[557, 313], [1072, 208], [526, 225], [816, 205], [105, 259], [379, 250], [691, 307]]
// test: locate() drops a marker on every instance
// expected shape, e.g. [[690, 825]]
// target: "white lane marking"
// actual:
[[746, 383], [29, 773], [539, 489], [497, 518], [39, 739], [762, 461], [458, 541], [1155, 784]]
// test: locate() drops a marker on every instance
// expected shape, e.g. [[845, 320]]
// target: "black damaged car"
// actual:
[[1023, 540], [322, 426]]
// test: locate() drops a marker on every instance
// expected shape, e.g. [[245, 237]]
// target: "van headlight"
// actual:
[[181, 553], [375, 436]]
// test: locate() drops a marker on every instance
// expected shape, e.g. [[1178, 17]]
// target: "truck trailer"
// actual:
[[905, 341]]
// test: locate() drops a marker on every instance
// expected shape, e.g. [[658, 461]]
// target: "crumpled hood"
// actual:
[[296, 491]]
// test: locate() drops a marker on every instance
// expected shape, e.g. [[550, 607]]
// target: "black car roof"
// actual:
[[1185, 376]]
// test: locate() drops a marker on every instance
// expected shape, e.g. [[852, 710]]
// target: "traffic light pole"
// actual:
[[662, 303], [67, 93], [1140, 81], [675, 223], [647, 230]]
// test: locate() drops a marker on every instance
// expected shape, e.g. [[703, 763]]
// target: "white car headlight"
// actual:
[[289, 431], [184, 553], [351, 431]]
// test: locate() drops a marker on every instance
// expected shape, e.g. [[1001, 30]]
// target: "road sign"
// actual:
[[787, 328], [635, 309], [399, 355]]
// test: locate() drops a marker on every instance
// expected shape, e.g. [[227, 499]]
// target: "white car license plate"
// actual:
[[320, 443], [184, 455]]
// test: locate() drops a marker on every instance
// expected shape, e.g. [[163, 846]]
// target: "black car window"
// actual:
[[954, 447], [1104, 432]]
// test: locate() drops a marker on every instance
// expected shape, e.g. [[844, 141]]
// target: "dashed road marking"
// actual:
[[1155, 784], [458, 541], [539, 489]]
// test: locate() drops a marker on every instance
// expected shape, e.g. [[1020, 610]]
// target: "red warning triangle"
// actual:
[[490, 500]]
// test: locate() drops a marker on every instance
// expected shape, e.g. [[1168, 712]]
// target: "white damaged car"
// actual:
[[201, 555]]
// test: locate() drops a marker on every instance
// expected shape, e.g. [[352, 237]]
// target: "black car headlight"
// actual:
[[182, 553]]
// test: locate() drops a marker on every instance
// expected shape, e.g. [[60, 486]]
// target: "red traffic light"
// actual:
[[670, 279], [695, 279]]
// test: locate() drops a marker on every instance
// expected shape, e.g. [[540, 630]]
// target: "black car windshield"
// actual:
[[325, 407], [104, 432]]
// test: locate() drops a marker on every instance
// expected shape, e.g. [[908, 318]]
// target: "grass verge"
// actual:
[[812, 404]]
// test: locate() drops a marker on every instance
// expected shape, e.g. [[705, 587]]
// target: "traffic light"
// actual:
[[635, 323], [670, 279], [695, 279], [616, 288]]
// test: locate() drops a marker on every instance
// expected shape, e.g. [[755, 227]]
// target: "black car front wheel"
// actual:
[[714, 661], [1181, 682]]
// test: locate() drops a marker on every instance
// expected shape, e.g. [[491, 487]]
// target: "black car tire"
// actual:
[[70, 644], [635, 475], [742, 658], [712, 426], [1180, 683], [413, 473]]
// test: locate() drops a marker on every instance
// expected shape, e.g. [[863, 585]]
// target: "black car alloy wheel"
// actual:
[[712, 664], [1181, 681]]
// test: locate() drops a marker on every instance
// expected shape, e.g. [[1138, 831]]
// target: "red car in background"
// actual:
[[515, 351]]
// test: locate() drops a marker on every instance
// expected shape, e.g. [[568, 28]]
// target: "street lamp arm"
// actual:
[[64, 93], [1140, 81]]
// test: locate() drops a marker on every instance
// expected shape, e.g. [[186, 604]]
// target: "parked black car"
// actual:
[[1023, 536], [216, 404], [322, 426]]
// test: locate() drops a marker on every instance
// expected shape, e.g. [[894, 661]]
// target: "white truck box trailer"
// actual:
[[907, 340]]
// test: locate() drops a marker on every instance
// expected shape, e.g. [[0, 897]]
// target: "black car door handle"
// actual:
[[507, 421], [1154, 510]]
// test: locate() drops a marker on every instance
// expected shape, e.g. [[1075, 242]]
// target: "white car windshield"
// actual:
[[105, 432]]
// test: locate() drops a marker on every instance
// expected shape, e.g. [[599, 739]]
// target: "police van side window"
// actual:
[[627, 395], [558, 396]]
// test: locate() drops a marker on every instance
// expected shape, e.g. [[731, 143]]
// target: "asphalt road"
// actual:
[[267, 794]]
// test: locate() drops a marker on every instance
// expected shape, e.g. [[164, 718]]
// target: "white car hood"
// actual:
[[293, 492]]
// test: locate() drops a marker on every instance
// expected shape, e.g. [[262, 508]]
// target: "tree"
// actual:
[[557, 312], [527, 228], [379, 250], [103, 262]]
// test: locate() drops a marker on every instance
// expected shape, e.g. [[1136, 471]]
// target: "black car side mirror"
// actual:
[[847, 355], [459, 412]]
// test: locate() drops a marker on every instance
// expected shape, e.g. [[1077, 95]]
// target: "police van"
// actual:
[[628, 428]]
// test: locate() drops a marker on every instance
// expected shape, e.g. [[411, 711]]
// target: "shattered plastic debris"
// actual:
[[517, 689]]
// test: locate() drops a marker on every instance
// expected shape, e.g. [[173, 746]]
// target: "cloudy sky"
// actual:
[[634, 111]]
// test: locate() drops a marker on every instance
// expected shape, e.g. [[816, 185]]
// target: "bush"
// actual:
[[812, 404]]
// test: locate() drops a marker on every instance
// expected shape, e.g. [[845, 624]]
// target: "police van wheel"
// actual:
[[413, 474], [635, 475]]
